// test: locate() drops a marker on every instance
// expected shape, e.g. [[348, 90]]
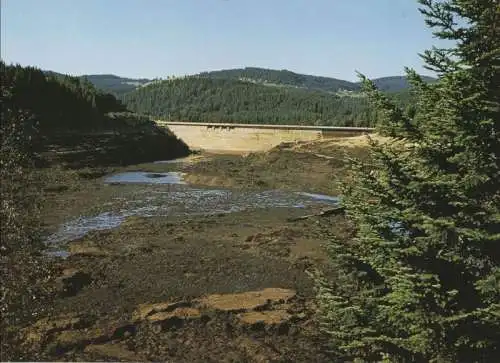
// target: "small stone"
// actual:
[[72, 281], [181, 313], [132, 220], [259, 352], [249, 300], [90, 251], [116, 351], [301, 316], [273, 317], [69, 339], [44, 328], [144, 310], [155, 175], [62, 322]]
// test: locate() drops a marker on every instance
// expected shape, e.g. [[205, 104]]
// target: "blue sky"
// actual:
[[158, 38]]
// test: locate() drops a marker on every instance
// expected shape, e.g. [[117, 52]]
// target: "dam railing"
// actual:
[[268, 126]]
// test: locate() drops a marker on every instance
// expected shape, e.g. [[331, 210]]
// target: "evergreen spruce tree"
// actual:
[[420, 281]]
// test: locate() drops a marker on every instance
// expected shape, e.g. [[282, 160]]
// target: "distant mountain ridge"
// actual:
[[319, 83], [116, 84], [270, 77], [252, 95], [109, 82], [284, 77], [397, 83]]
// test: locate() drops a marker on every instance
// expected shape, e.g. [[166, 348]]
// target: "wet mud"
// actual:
[[156, 264]]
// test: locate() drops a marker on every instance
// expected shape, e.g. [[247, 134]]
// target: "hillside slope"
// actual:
[[108, 83], [201, 99], [396, 83], [269, 77], [283, 78], [89, 126], [251, 95], [115, 84], [310, 82]]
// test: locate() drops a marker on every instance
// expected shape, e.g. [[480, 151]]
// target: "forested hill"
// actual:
[[289, 78], [396, 83], [207, 99], [283, 78], [115, 84], [66, 113], [119, 85], [110, 83], [249, 95], [55, 100]]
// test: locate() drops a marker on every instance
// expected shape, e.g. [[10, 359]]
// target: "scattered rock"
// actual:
[[277, 242], [59, 323], [179, 313], [285, 234], [67, 272], [72, 281], [33, 337], [121, 329], [249, 300], [132, 220], [65, 332], [69, 339], [56, 189], [38, 332], [85, 250], [145, 249], [113, 183], [253, 237], [155, 175], [144, 310], [300, 316], [116, 351], [273, 317], [259, 353]]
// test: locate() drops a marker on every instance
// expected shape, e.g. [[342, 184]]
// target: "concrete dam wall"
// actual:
[[250, 137]]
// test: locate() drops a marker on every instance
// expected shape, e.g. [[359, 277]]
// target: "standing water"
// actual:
[[171, 196]]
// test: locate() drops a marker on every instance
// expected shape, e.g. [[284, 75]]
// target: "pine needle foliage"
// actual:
[[25, 272], [421, 279]]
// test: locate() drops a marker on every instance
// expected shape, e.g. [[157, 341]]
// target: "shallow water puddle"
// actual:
[[177, 199], [322, 197], [172, 161], [145, 178]]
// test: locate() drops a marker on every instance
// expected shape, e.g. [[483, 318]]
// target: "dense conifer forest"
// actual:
[[208, 99], [57, 101], [250, 95], [419, 282], [62, 111]]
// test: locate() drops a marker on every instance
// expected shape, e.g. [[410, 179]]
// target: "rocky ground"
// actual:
[[231, 287]]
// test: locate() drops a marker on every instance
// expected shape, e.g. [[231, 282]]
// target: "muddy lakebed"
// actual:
[[168, 195], [221, 272]]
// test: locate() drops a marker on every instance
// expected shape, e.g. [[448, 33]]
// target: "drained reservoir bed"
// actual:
[[176, 198]]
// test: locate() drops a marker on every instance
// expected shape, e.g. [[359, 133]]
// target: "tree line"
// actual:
[[420, 280], [39, 109], [57, 102], [207, 99], [284, 77]]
